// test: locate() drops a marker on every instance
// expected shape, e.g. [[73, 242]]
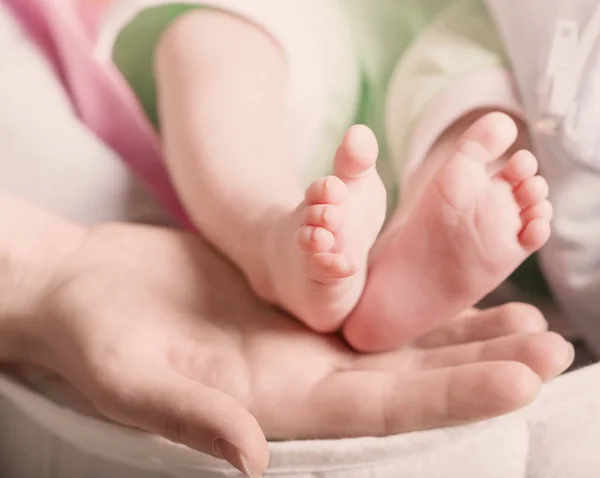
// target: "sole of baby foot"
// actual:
[[466, 234], [317, 256]]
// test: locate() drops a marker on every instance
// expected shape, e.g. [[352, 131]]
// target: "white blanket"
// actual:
[[557, 436]]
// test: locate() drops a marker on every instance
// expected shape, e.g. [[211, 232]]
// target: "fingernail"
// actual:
[[224, 449]]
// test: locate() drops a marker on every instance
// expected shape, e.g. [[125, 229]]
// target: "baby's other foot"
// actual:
[[466, 234], [317, 257]]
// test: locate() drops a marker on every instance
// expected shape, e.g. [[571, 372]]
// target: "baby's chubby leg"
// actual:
[[476, 211], [225, 124]]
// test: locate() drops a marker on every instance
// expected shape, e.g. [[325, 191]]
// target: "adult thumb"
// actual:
[[192, 414]]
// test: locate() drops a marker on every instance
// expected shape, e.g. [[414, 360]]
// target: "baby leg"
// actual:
[[225, 123], [457, 237]]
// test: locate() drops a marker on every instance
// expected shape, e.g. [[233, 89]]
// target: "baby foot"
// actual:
[[465, 235], [317, 256]]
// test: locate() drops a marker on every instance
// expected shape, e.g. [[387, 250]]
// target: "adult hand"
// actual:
[[160, 333]]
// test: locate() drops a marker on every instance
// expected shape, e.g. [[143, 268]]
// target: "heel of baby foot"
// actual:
[[261, 283], [268, 250]]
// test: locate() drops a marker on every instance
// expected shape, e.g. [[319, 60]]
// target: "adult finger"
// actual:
[[477, 325], [546, 353], [189, 413], [363, 403]]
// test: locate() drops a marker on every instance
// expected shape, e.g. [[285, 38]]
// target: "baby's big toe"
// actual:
[[488, 138], [357, 154]]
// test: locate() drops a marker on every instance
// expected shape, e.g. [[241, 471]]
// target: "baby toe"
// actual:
[[541, 210], [329, 266], [328, 190], [535, 234], [521, 166], [326, 216], [531, 191], [313, 240]]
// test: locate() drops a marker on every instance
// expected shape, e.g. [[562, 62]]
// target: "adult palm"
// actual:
[[160, 333]]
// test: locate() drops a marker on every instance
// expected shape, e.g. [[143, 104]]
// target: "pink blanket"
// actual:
[[64, 30]]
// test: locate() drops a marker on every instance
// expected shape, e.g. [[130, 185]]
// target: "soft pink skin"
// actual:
[[465, 234], [307, 254], [306, 251], [317, 257], [302, 250], [203, 360]]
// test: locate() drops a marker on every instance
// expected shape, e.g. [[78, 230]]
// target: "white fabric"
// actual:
[[561, 104], [454, 66], [46, 155], [557, 436], [492, 88], [86, 441]]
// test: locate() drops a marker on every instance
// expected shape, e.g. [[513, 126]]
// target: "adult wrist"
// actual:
[[33, 247]]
